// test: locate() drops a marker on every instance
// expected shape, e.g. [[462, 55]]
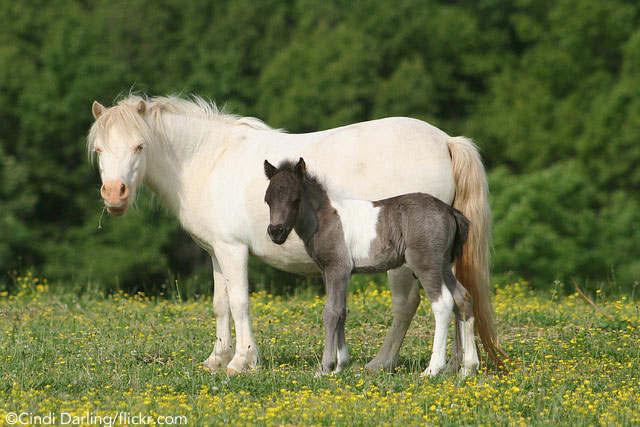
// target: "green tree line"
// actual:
[[548, 89]]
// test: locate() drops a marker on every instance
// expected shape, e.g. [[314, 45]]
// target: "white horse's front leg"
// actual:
[[233, 261], [223, 347]]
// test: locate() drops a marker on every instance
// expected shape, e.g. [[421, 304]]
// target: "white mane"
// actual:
[[125, 114], [199, 107]]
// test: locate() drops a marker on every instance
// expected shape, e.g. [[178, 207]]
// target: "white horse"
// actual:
[[207, 168]]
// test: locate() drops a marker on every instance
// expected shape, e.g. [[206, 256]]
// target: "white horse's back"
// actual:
[[376, 159]]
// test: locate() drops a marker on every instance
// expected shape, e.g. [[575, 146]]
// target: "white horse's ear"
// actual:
[[269, 169], [142, 107], [301, 168], [97, 109]]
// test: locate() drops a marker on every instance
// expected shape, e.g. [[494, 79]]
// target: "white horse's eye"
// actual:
[[138, 148], [97, 150]]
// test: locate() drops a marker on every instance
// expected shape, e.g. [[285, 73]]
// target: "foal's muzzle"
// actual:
[[278, 233]]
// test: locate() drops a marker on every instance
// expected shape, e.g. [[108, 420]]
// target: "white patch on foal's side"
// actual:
[[359, 219]]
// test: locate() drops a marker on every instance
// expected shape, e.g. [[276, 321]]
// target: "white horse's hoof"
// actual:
[[237, 365], [218, 359], [376, 365], [464, 372], [467, 371], [235, 368], [211, 365]]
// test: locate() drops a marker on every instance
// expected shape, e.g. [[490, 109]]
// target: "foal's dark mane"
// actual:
[[312, 188]]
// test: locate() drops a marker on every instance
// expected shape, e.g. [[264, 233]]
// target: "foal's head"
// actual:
[[283, 197]]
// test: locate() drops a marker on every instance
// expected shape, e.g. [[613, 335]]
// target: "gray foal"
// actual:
[[346, 236]]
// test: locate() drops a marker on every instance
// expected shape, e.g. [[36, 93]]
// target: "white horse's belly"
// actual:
[[291, 257]]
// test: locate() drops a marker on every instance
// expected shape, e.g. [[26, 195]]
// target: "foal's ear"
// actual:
[[269, 169], [301, 168], [97, 109], [142, 107]]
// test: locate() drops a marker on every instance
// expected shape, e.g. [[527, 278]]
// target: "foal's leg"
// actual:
[[442, 305], [223, 348], [429, 271], [464, 317], [233, 260], [342, 352], [405, 298], [334, 317]]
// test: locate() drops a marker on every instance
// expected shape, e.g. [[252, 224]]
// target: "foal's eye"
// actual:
[[138, 148], [97, 150]]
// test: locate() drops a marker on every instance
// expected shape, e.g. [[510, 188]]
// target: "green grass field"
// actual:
[[122, 356]]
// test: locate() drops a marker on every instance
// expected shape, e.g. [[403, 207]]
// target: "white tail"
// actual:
[[472, 198]]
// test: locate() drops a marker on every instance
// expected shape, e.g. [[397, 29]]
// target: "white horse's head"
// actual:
[[119, 137]]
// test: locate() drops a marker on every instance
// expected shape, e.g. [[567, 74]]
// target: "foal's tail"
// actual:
[[462, 232], [472, 270]]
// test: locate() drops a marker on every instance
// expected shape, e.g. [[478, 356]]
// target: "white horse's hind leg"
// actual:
[[223, 348], [456, 351], [464, 322], [442, 308], [405, 298], [233, 260]]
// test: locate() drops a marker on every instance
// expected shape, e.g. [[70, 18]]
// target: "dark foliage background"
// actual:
[[549, 89]]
